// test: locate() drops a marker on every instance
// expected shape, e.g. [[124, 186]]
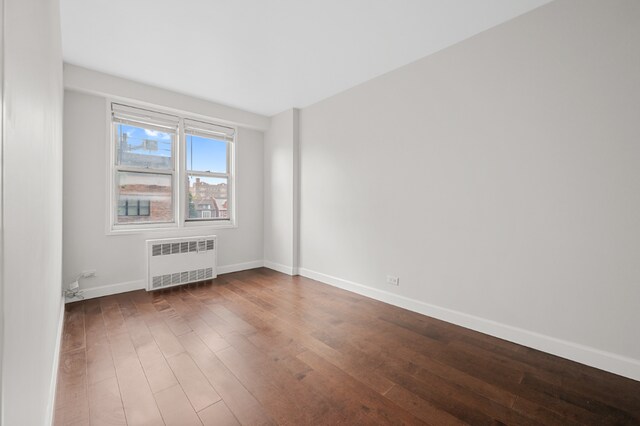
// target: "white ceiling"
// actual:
[[266, 56]]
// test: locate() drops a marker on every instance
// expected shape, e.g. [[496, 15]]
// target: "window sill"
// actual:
[[173, 228], [214, 224]]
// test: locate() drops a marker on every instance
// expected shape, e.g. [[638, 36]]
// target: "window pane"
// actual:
[[144, 207], [208, 198], [206, 155], [122, 207], [145, 148], [132, 207], [144, 189]]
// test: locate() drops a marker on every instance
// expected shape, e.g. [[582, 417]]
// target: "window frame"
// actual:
[[203, 174], [179, 176]]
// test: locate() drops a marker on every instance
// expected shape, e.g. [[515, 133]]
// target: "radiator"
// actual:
[[176, 261]]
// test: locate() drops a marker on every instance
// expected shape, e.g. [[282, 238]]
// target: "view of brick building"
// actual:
[[144, 203], [208, 200]]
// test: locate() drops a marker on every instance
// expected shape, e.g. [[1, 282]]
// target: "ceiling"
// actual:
[[266, 56]]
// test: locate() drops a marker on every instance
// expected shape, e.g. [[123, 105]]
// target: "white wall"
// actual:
[[280, 192], [120, 259], [32, 208], [498, 178], [1, 201], [97, 83]]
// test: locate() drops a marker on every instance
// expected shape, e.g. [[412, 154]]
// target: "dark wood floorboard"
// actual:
[[261, 348]]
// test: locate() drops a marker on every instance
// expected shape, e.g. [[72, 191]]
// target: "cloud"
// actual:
[[157, 134]]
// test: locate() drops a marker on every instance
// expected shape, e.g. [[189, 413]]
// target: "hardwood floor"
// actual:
[[259, 347]]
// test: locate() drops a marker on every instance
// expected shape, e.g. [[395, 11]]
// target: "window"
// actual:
[[152, 187], [208, 170], [130, 207]]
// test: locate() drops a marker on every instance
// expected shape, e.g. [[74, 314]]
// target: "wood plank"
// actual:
[[276, 398], [99, 361], [218, 414], [72, 402], [420, 408], [166, 340], [382, 409], [158, 372], [73, 329], [113, 319], [198, 389], [139, 405], [105, 404], [209, 336], [165, 308], [175, 407], [245, 407]]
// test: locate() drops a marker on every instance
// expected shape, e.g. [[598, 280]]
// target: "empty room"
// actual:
[[305, 212]]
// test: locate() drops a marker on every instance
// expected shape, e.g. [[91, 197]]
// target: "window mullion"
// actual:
[[208, 174], [144, 170]]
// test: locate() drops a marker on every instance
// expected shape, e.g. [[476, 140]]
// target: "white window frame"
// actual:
[[179, 177], [203, 174]]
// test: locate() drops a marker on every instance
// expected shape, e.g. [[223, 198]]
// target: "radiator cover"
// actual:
[[176, 261]]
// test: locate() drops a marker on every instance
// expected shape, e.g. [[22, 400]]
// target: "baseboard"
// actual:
[[106, 290], [227, 269], [56, 360], [593, 357], [280, 267]]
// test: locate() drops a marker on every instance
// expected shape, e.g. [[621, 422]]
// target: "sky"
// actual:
[[202, 154]]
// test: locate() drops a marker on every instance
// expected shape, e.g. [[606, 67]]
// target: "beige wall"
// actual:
[[280, 192], [31, 209], [498, 178]]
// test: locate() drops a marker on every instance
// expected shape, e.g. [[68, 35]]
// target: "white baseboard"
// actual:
[[56, 360], [280, 267], [109, 289], [227, 269], [587, 355], [106, 290]]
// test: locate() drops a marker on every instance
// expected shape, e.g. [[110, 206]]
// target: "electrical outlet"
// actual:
[[393, 280], [88, 274], [73, 292]]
